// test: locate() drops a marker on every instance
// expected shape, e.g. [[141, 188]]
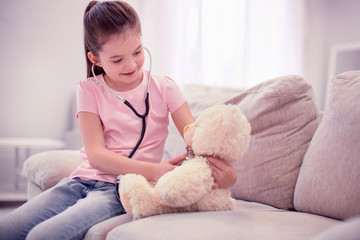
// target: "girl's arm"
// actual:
[[224, 174], [108, 161], [182, 117]]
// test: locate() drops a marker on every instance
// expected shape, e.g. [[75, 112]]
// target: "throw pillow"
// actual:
[[283, 117], [329, 178], [46, 169]]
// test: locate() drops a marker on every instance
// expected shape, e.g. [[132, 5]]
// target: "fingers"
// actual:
[[215, 174], [223, 173], [215, 170], [217, 163], [176, 160]]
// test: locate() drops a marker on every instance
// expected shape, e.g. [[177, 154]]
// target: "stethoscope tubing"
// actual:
[[127, 103]]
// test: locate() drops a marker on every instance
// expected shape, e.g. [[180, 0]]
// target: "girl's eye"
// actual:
[[117, 61], [137, 53]]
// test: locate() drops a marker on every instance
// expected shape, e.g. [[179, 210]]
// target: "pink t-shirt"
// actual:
[[122, 128]]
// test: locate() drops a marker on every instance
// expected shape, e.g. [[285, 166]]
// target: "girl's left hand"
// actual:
[[223, 172]]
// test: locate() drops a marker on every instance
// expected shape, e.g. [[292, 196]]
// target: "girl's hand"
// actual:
[[178, 159], [224, 174], [166, 166]]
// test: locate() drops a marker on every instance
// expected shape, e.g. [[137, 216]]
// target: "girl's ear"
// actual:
[[93, 59]]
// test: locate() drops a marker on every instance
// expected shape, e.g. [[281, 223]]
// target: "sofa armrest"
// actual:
[[47, 168], [33, 190]]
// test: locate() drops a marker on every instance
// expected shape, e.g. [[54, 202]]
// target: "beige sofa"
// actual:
[[298, 180]]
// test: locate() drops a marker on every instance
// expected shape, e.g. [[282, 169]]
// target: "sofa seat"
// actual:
[[249, 220]]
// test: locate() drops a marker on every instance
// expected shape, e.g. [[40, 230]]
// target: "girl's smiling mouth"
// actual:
[[129, 73]]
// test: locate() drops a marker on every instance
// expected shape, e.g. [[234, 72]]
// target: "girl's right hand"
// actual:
[[176, 160], [166, 166]]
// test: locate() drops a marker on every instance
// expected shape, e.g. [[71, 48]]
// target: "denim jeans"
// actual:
[[66, 211]]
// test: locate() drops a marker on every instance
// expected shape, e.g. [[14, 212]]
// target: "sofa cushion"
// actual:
[[47, 168], [283, 117], [349, 230], [100, 230], [248, 221], [329, 178]]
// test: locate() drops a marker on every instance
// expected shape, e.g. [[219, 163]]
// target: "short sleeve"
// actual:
[[174, 95], [86, 98]]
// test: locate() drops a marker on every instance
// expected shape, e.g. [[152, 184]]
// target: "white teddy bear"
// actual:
[[221, 131]]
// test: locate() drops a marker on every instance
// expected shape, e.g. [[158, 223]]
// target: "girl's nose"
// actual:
[[130, 64]]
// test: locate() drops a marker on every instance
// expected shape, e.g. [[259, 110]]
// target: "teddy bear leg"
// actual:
[[125, 196], [216, 200], [139, 198]]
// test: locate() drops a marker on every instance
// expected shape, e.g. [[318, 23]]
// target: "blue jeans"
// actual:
[[66, 211]]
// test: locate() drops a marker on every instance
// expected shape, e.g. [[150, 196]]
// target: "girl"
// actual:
[[110, 129]]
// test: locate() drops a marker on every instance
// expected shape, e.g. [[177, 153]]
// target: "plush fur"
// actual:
[[222, 131]]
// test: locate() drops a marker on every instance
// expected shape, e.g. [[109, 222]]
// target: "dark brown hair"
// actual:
[[101, 21]]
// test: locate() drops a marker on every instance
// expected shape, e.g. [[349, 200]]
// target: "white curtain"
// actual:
[[229, 43]]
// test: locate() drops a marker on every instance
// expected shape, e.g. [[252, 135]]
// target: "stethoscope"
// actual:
[[127, 103]]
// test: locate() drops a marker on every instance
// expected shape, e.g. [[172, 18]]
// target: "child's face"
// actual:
[[122, 58]]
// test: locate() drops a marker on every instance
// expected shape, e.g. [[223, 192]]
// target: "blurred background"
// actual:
[[229, 43]]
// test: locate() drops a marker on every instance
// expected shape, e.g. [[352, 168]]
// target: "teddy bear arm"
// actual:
[[186, 184]]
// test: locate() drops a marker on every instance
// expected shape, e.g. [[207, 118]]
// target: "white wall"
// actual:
[[329, 22], [41, 61]]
